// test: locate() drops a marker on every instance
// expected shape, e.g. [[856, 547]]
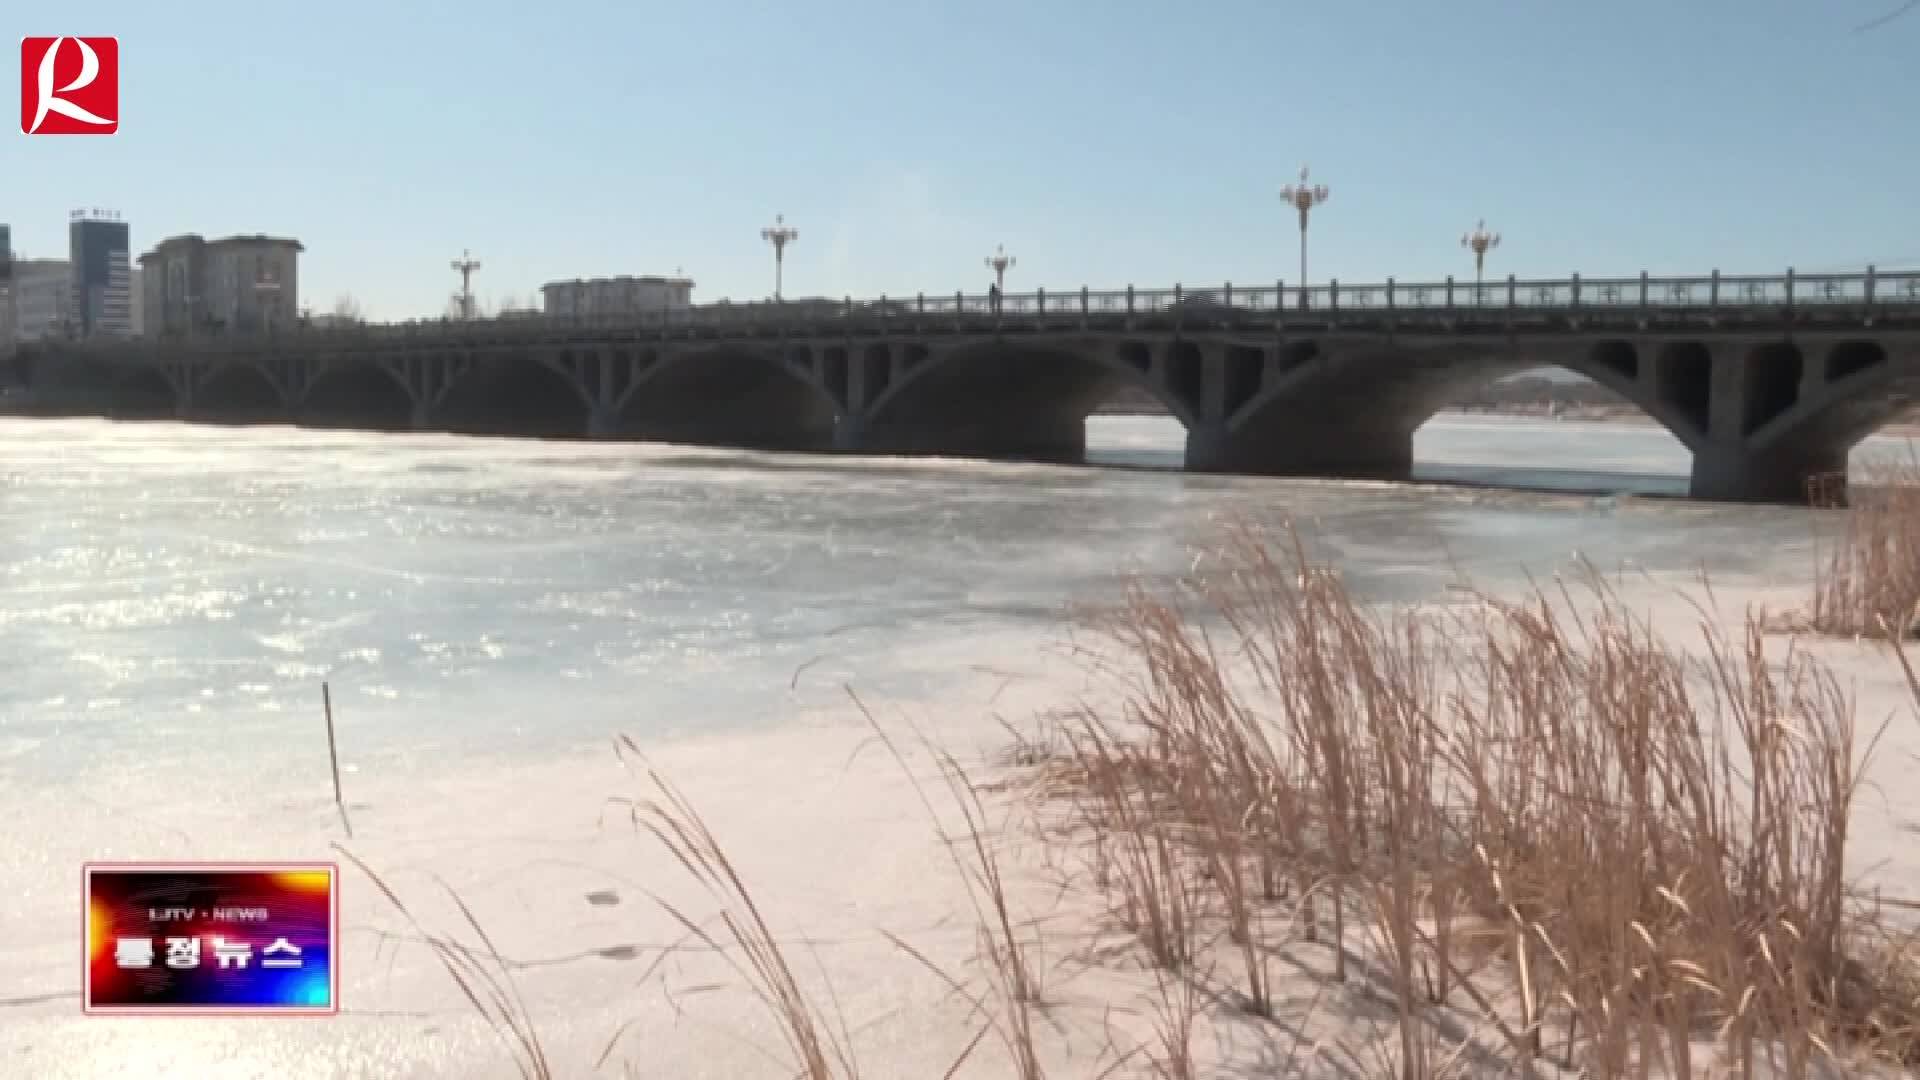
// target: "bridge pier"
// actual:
[[1207, 449], [603, 422], [1734, 474], [849, 433], [421, 416]]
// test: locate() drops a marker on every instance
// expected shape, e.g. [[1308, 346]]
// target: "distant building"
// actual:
[[616, 296], [823, 307], [102, 272], [254, 281], [6, 287], [173, 280], [42, 299], [240, 284], [136, 305]]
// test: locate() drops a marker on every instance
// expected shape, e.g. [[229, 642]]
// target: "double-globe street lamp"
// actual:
[[999, 262], [1303, 197], [779, 234], [1480, 241], [465, 265]]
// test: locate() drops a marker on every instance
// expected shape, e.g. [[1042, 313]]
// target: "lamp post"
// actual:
[[1303, 197], [1479, 241], [779, 234], [466, 264], [999, 262]]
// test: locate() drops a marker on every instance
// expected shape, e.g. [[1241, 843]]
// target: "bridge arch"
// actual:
[[240, 392], [144, 392], [357, 394], [751, 397], [1857, 387], [1353, 410], [1020, 400], [524, 394]]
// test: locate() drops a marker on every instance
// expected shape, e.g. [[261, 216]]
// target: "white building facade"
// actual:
[[109, 307], [603, 297], [42, 299], [253, 282], [136, 305]]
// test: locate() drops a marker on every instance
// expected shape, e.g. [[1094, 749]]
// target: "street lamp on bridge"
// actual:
[[779, 234], [999, 262], [465, 265], [1303, 197], [1480, 241]]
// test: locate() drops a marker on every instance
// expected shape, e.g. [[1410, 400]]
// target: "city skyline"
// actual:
[[1104, 147]]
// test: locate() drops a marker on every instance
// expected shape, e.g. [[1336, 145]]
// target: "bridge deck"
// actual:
[[1713, 303]]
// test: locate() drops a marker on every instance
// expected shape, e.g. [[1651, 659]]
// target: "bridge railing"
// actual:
[[1509, 297], [1539, 295], [1644, 292], [1712, 292]]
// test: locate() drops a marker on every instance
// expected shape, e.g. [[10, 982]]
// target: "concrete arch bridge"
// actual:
[[1767, 389]]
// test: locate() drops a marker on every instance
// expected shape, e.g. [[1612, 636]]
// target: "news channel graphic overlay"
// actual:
[[185, 938]]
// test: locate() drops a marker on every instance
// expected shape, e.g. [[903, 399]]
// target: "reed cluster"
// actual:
[[1867, 557], [1621, 857]]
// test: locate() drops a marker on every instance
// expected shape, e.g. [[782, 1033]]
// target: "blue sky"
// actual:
[[1102, 143]]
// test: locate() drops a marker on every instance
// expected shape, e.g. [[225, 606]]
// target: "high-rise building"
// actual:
[[97, 247]]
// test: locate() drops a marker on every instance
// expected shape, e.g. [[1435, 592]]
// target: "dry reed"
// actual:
[[1008, 948], [333, 759], [819, 1041], [482, 976], [1870, 571], [1651, 842]]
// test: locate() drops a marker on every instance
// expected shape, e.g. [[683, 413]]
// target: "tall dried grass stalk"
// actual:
[[483, 977], [1008, 948], [821, 1050]]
